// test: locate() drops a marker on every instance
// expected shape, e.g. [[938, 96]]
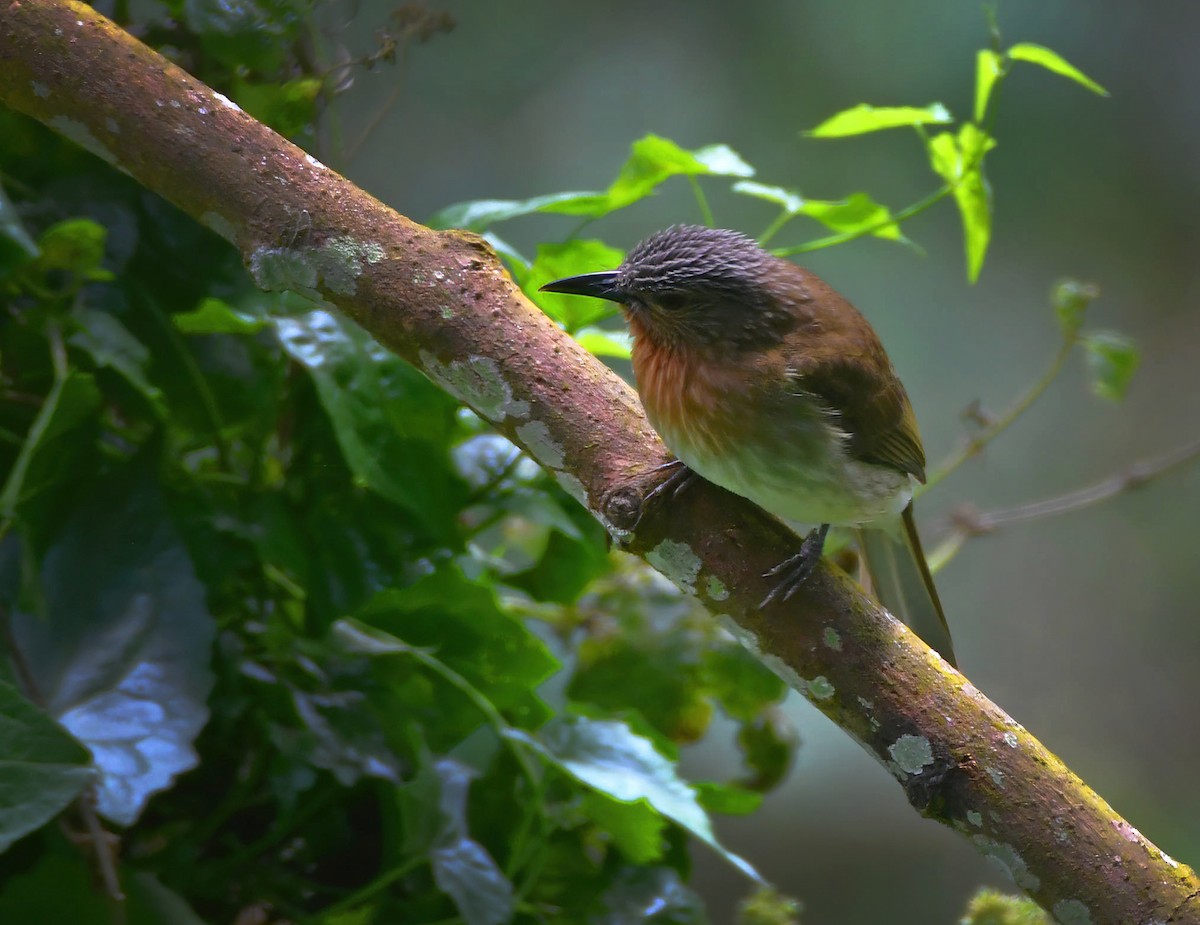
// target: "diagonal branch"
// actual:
[[443, 302]]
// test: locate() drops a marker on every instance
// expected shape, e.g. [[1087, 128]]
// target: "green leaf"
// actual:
[[988, 907], [610, 758], [652, 160], [121, 654], [650, 896], [462, 868], [989, 67], [461, 621], [42, 769], [288, 107], [958, 159], [75, 246], [571, 258], [866, 118], [338, 732], [789, 200], [59, 435], [744, 685], [727, 799], [1112, 360], [16, 246], [1071, 300], [636, 828], [1053, 62], [109, 344], [480, 214], [250, 34], [602, 343], [855, 212], [214, 316], [392, 423]]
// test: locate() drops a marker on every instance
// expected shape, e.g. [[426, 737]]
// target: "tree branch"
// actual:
[[443, 302]]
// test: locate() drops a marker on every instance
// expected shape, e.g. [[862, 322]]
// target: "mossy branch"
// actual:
[[443, 302]]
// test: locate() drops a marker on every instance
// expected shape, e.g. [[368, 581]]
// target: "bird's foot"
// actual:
[[673, 485], [793, 572]]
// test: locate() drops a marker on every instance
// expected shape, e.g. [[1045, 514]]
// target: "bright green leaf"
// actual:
[[635, 828], [988, 69], [958, 159], [214, 316], [866, 118], [789, 200], [857, 211], [1071, 300], [603, 343], [121, 655], [988, 907], [1112, 360], [480, 214], [1054, 62], [42, 768], [727, 799], [75, 246], [571, 258], [610, 758]]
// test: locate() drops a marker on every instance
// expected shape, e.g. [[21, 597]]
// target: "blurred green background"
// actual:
[[1085, 628]]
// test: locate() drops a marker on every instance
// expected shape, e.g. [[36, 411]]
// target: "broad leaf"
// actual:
[[16, 246], [572, 258], [610, 758], [857, 211], [74, 246], [1053, 62], [42, 769], [958, 159], [121, 654], [789, 200], [636, 829], [392, 423], [866, 118], [108, 342], [213, 316]]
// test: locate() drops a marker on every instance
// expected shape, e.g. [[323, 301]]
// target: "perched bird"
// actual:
[[761, 378]]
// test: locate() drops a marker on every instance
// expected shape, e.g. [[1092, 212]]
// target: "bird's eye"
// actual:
[[670, 301]]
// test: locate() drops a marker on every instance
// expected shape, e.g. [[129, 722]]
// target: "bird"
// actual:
[[761, 378]]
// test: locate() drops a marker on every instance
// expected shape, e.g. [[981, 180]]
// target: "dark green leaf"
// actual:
[[60, 435], [16, 246], [213, 316], [121, 655], [42, 769], [1112, 360], [1053, 62], [649, 896], [109, 344], [462, 868], [392, 423], [249, 34], [866, 118], [742, 683], [74, 246], [768, 745], [610, 758], [1071, 299], [461, 622]]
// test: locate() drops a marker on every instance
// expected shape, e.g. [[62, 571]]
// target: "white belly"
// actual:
[[809, 481]]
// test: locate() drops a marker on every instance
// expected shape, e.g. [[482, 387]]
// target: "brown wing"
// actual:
[[833, 354]]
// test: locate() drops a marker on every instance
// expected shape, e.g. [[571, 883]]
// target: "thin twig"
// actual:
[[968, 522], [975, 444]]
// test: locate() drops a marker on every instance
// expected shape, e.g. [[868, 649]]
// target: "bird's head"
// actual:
[[691, 285]]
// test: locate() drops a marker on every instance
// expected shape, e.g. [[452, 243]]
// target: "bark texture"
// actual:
[[442, 301]]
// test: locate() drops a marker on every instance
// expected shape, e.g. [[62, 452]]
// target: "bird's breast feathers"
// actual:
[[790, 457]]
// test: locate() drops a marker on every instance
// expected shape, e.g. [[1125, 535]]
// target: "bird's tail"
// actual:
[[902, 582]]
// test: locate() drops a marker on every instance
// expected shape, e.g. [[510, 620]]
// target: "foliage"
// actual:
[[318, 644]]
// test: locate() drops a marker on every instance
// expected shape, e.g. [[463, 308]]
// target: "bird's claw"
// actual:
[[673, 485], [795, 570]]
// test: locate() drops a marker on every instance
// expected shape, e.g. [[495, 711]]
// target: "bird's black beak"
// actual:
[[598, 285]]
